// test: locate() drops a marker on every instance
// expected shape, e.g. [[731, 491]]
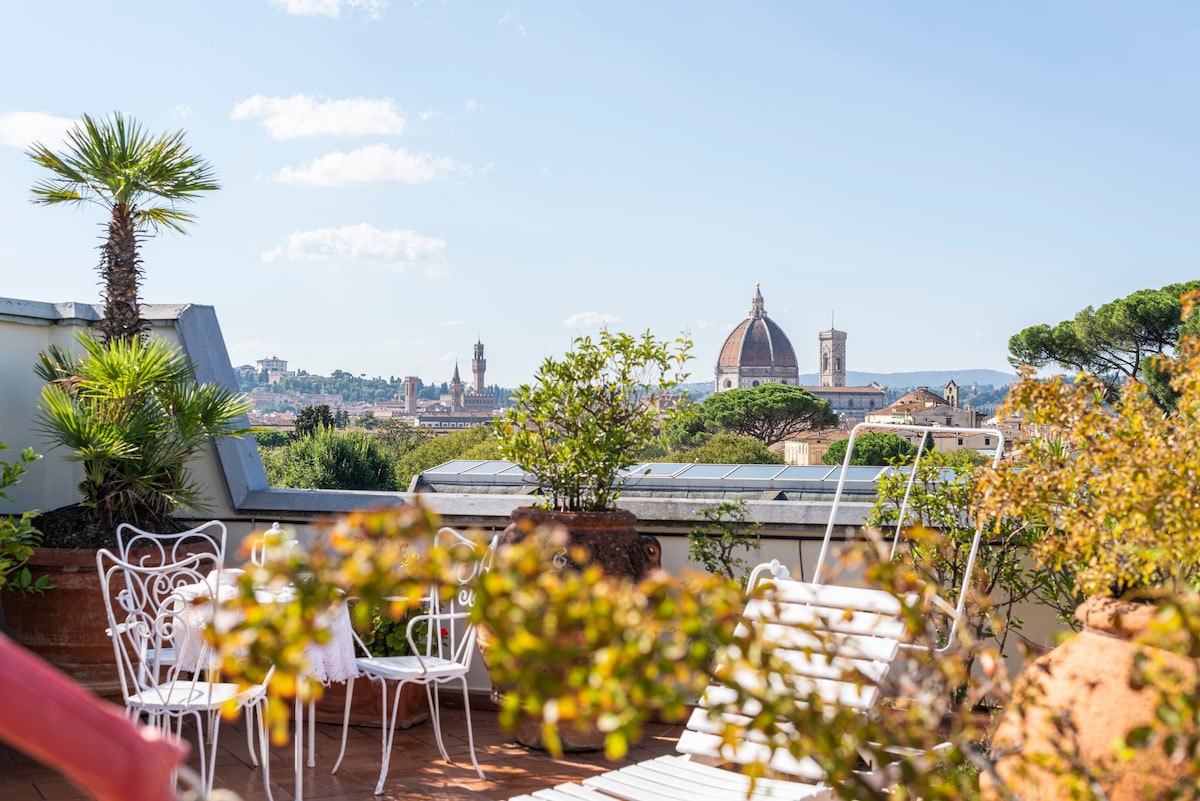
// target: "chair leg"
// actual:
[[388, 733], [208, 767], [470, 731], [312, 733], [435, 716], [250, 709], [345, 724], [264, 744]]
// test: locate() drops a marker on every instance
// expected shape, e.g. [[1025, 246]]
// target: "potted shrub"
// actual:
[[131, 411], [586, 418], [1115, 486]]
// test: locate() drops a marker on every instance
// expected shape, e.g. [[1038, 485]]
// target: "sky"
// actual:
[[402, 179]]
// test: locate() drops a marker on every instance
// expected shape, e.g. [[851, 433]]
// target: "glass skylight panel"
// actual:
[[653, 469], [706, 471], [489, 468], [805, 472], [756, 471], [456, 467]]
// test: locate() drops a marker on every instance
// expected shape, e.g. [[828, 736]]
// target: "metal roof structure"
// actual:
[[668, 479]]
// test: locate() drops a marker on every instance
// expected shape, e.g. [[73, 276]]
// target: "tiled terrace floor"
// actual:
[[417, 770]]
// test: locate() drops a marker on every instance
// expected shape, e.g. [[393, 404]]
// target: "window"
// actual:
[[948, 422], [728, 383], [754, 383], [960, 441]]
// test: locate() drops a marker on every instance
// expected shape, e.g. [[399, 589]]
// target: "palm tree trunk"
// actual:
[[121, 272]]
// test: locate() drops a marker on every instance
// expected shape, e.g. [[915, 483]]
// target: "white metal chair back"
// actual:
[[449, 619], [151, 609], [145, 604], [150, 548], [902, 519]]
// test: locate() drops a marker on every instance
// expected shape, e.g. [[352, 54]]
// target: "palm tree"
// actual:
[[114, 163]]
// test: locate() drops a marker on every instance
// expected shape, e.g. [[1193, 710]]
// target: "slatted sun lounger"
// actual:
[[839, 643]]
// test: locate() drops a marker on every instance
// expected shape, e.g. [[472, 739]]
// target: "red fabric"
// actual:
[[83, 737]]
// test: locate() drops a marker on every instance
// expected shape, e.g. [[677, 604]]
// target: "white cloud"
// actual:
[[301, 115], [589, 321], [374, 164], [180, 111], [23, 128], [472, 105], [330, 8], [426, 116], [453, 322], [362, 242]]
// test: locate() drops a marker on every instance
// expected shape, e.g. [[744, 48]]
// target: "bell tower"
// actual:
[[478, 366], [833, 358]]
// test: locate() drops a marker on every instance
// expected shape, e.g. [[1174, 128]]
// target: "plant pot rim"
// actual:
[[533, 513], [1114, 616]]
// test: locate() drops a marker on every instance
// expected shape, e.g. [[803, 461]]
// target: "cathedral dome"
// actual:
[[758, 341]]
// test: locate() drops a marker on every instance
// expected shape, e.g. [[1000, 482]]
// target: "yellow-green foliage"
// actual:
[[631, 650], [1117, 484]]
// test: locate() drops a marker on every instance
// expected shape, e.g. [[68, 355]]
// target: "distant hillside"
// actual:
[[933, 379]]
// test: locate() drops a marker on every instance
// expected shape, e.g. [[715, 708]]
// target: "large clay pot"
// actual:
[[365, 706], [612, 541], [66, 625], [611, 538], [1087, 679]]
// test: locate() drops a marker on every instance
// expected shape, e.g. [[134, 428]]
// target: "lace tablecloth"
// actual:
[[328, 662]]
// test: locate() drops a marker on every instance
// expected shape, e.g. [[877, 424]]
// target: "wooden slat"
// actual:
[[748, 753], [681, 779], [846, 693], [830, 618], [836, 596]]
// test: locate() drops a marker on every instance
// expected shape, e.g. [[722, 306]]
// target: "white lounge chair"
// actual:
[[839, 642]]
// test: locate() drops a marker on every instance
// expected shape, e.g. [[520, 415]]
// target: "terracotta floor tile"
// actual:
[[417, 770]]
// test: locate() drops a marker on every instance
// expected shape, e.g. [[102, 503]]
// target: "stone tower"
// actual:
[[478, 366], [456, 391], [410, 394], [833, 358], [951, 393]]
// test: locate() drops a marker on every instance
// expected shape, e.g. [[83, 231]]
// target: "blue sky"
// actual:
[[399, 179]]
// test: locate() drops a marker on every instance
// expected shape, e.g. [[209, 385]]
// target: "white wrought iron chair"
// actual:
[[149, 548], [150, 608], [157, 548], [441, 656]]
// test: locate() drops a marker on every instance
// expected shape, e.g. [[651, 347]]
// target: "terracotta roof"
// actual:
[[915, 400]]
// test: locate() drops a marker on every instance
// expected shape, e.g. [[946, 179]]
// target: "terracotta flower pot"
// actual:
[[1085, 682], [65, 625], [612, 541], [365, 706]]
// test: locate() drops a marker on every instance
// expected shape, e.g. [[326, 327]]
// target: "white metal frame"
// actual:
[[901, 518]]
